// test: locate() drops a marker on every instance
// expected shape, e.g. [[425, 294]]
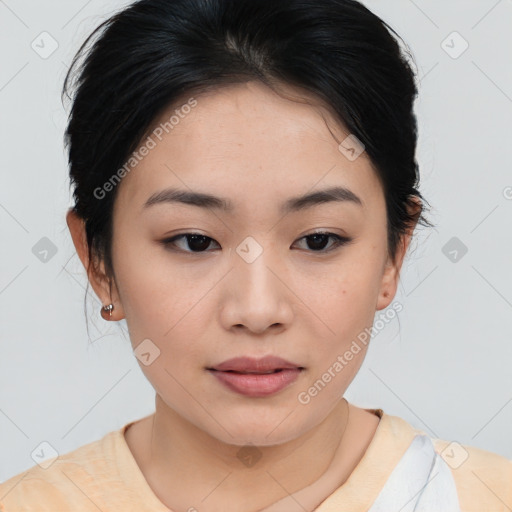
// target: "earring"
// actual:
[[108, 309]]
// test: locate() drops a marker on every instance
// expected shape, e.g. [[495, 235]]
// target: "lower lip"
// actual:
[[253, 384]]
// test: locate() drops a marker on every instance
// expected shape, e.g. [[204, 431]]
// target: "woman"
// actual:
[[245, 191]]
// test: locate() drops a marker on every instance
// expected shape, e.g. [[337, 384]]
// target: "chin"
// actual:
[[251, 430]]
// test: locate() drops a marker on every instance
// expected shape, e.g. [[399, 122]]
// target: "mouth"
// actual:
[[277, 370], [256, 377], [264, 365]]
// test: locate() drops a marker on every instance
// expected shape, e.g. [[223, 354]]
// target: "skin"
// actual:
[[297, 300]]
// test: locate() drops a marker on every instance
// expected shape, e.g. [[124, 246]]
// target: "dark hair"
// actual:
[[153, 52]]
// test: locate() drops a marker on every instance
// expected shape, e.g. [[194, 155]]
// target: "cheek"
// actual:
[[342, 296], [155, 292], [165, 316]]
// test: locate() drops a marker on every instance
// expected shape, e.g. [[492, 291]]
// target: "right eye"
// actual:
[[195, 241]]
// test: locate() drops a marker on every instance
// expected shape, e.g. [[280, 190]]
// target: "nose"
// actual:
[[257, 297]]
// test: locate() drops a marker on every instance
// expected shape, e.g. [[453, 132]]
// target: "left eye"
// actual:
[[318, 240], [199, 243]]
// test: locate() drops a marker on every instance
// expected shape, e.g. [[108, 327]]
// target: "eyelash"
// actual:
[[339, 241]]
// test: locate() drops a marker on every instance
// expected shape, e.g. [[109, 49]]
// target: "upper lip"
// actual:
[[249, 364]]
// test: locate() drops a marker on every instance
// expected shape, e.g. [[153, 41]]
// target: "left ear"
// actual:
[[391, 275]]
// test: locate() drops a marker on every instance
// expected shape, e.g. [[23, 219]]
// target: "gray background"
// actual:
[[444, 366]]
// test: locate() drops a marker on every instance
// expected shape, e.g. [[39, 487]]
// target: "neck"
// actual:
[[186, 467]]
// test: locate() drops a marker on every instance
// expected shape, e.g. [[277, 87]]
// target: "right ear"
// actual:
[[97, 276]]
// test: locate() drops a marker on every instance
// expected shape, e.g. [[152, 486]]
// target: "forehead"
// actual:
[[248, 143]]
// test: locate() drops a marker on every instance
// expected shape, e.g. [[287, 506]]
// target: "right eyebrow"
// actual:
[[200, 199]]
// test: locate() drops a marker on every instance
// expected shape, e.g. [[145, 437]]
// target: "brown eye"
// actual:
[[319, 240], [195, 242]]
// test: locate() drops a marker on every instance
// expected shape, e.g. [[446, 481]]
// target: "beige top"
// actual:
[[104, 476]]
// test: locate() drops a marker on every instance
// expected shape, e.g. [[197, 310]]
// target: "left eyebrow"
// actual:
[[327, 195], [294, 204]]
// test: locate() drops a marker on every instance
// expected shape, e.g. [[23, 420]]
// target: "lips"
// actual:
[[256, 377], [248, 365]]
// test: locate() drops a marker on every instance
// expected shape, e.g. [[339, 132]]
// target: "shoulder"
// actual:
[[483, 479], [69, 482]]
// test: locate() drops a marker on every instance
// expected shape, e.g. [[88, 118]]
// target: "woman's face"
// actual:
[[255, 282]]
